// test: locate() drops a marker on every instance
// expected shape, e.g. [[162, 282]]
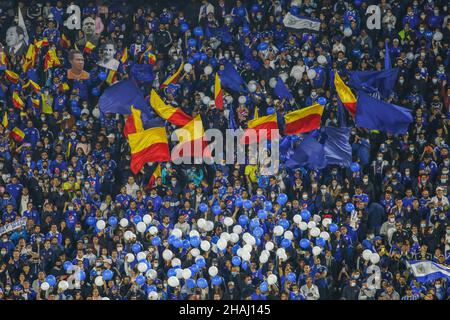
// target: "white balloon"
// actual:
[[367, 254], [272, 279], [348, 32], [142, 267], [141, 226], [99, 281], [297, 218], [280, 252], [128, 235], [206, 100], [246, 256], [248, 248], [141, 256], [272, 82], [303, 225], [311, 73], [177, 233], [317, 218], [167, 255], [63, 285], [130, 257], [187, 273], [325, 235], [208, 70], [179, 273], [234, 237], [326, 222], [228, 221], [263, 258], [240, 251], [153, 230], [311, 224], [410, 56], [246, 236], [187, 67], [195, 252], [194, 233], [123, 222], [269, 246], [101, 224], [438, 36], [283, 76], [225, 236], [221, 244], [205, 245], [173, 281], [242, 99], [315, 232], [375, 258], [316, 250], [237, 229], [289, 235], [265, 253], [297, 74], [153, 295], [251, 86], [278, 230], [321, 59], [152, 274], [283, 257], [147, 219], [213, 271], [45, 286], [251, 241], [105, 298], [201, 223], [175, 262], [228, 99], [209, 226]]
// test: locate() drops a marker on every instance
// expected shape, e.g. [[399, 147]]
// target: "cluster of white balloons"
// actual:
[[373, 257]]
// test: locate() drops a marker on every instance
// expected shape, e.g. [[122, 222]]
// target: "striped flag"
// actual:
[[69, 149], [303, 120], [133, 123], [262, 123], [51, 60], [41, 43], [156, 173], [3, 61], [17, 101], [5, 121], [111, 78], [36, 102], [174, 115], [124, 57], [11, 76], [150, 145], [17, 134], [190, 139], [345, 94], [65, 42], [218, 93], [88, 47], [173, 78], [33, 85]]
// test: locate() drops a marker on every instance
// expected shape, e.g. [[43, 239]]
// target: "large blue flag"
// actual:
[[231, 79], [119, 98], [387, 58], [428, 271], [337, 147], [309, 153], [374, 82], [142, 72], [220, 33], [282, 91], [376, 114]]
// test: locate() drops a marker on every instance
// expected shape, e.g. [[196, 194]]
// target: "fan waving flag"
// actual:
[[218, 93], [11, 76], [174, 115], [150, 145], [124, 57], [17, 101], [376, 114], [231, 79], [64, 42], [155, 170], [5, 121], [191, 142], [282, 91], [173, 79], [263, 127], [88, 47], [133, 123], [17, 134], [119, 98], [303, 120], [346, 96]]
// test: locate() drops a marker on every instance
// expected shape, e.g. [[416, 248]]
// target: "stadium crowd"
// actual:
[[93, 230]]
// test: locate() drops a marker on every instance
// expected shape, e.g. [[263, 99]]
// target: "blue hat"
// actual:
[[377, 238], [17, 287]]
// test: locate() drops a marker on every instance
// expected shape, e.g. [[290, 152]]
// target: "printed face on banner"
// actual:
[[108, 61], [76, 72], [15, 40], [88, 26]]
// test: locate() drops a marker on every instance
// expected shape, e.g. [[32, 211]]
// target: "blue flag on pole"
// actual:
[[142, 72], [220, 33], [381, 82], [376, 114], [231, 79], [337, 147], [387, 58], [282, 91], [309, 153], [119, 98]]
